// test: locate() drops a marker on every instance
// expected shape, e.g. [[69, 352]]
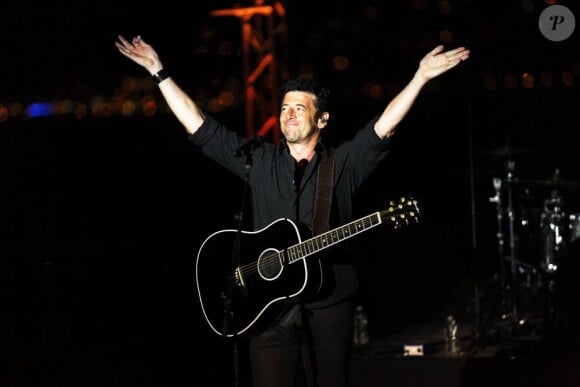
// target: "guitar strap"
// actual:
[[320, 224], [323, 197]]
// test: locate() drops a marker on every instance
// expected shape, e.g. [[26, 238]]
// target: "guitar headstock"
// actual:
[[402, 212]]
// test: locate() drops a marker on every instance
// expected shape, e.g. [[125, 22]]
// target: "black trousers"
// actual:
[[313, 343]]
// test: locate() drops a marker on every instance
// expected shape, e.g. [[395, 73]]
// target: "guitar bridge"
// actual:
[[240, 281]]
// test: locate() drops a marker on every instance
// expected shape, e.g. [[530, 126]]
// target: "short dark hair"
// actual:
[[310, 86]]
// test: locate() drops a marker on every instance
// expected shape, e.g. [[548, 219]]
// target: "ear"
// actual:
[[323, 120]]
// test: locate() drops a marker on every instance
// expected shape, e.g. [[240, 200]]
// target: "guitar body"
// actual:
[[242, 299]]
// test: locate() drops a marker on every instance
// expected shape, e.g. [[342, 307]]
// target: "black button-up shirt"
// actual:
[[272, 184]]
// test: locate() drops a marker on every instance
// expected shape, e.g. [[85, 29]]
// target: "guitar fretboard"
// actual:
[[332, 237]]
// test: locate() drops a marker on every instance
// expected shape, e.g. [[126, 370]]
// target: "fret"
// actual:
[[310, 247], [304, 249], [291, 251], [315, 245]]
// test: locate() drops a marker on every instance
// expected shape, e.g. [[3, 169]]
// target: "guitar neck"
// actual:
[[320, 242]]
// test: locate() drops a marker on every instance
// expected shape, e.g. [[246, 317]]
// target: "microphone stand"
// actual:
[[247, 150]]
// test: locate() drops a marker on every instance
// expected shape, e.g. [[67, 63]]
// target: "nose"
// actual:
[[291, 112]]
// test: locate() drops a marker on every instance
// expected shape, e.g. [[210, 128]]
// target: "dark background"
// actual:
[[102, 216]]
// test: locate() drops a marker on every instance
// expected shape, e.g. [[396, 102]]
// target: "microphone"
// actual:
[[249, 146]]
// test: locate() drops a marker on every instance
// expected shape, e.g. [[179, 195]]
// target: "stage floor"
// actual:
[[497, 357]]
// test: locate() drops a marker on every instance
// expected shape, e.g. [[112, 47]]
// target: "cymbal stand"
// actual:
[[510, 166], [506, 301], [497, 185]]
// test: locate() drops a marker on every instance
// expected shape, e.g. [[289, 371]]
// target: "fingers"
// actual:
[[124, 50], [457, 55], [124, 41], [454, 51], [436, 50], [136, 41], [464, 54]]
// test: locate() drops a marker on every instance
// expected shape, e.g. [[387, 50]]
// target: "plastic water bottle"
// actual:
[[361, 327], [450, 335]]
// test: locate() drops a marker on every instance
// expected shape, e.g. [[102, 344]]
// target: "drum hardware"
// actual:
[[497, 185], [552, 225], [573, 227], [510, 167], [528, 266], [506, 287]]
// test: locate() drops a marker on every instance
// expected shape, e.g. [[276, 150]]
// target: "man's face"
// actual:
[[298, 116]]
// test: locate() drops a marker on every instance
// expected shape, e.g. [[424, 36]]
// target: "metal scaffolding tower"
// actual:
[[263, 45]]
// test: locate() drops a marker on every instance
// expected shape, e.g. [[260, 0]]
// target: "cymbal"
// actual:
[[550, 183], [508, 151]]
